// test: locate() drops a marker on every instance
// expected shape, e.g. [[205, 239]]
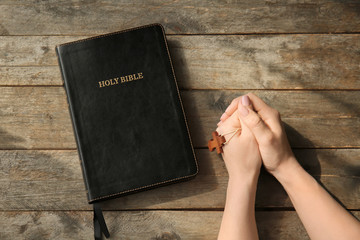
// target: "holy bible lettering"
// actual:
[[119, 80]]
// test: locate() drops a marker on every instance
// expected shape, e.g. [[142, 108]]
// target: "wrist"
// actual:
[[243, 182], [287, 169], [241, 193]]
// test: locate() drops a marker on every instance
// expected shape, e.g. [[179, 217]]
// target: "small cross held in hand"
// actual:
[[217, 142]]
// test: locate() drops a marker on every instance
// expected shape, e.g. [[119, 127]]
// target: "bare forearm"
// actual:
[[322, 216], [239, 215]]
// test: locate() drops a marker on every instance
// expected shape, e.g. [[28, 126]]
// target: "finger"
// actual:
[[245, 101], [231, 122], [254, 122], [224, 116], [264, 110], [230, 109], [229, 126]]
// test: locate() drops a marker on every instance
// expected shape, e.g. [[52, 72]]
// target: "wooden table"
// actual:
[[300, 57]]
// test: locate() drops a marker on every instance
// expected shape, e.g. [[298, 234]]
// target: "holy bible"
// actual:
[[127, 115]]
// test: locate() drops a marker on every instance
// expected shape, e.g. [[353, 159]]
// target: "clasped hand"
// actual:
[[262, 139]]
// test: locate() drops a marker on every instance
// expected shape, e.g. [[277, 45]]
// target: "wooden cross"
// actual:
[[217, 142]]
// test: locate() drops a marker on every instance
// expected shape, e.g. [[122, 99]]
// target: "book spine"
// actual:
[[73, 120], [179, 98]]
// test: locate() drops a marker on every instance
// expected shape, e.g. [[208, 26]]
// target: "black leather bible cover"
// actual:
[[126, 111]]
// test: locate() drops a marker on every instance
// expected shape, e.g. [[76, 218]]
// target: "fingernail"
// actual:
[[223, 116], [243, 111], [245, 100]]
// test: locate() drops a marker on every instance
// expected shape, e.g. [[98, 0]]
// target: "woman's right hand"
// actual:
[[266, 125]]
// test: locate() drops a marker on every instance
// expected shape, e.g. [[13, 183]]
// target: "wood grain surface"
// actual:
[[52, 180], [179, 17], [38, 117], [213, 62], [301, 57], [152, 225]]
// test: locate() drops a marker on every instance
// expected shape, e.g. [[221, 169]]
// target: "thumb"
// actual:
[[252, 120]]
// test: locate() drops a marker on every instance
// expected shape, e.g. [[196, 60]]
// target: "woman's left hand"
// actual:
[[241, 154]]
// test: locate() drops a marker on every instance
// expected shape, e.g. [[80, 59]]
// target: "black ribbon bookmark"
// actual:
[[99, 223]]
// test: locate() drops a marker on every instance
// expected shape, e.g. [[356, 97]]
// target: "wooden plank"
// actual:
[[267, 62], [20, 76], [291, 104], [143, 225], [312, 118], [179, 17], [52, 180], [213, 62], [302, 133], [38, 117], [26, 118]]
